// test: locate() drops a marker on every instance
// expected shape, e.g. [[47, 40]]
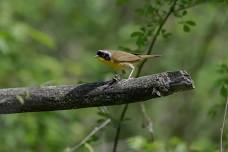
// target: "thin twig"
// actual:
[[172, 8], [147, 121], [119, 127], [223, 125], [93, 132]]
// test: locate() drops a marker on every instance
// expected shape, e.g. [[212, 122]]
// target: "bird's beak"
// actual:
[[96, 56]]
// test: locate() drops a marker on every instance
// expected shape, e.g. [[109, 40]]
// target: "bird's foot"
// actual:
[[115, 79], [130, 78]]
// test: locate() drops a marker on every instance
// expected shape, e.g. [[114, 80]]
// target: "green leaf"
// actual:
[[186, 28], [192, 23], [143, 29], [140, 41], [94, 138], [223, 68], [135, 34], [224, 90], [149, 10], [184, 13], [100, 121], [163, 31], [149, 33], [167, 35]]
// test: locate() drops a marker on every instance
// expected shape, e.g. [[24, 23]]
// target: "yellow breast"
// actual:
[[112, 64]]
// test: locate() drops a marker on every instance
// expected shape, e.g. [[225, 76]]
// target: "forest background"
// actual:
[[53, 42]]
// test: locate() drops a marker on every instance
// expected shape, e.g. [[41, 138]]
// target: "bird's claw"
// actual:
[[115, 79]]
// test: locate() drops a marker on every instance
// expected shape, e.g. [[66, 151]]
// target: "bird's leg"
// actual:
[[117, 77], [132, 70], [129, 65]]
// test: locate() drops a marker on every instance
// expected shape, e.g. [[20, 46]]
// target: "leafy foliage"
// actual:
[[175, 144], [222, 85]]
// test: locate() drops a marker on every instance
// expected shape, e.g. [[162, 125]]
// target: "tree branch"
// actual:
[[92, 133], [118, 128], [17, 100]]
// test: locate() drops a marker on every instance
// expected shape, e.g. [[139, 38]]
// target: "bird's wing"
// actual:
[[120, 56]]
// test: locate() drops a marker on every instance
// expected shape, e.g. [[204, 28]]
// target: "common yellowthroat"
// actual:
[[120, 60]]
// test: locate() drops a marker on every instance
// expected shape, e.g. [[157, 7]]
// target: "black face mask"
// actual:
[[107, 57], [104, 55]]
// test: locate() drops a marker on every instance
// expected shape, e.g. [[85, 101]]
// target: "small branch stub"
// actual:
[[18, 100]]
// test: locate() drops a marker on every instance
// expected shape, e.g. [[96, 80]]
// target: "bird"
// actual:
[[121, 60]]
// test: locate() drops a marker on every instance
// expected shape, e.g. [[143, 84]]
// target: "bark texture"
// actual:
[[49, 98]]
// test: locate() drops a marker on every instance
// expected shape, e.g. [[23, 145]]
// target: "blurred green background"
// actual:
[[53, 42]]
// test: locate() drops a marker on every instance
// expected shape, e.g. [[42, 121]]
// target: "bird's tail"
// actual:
[[149, 56]]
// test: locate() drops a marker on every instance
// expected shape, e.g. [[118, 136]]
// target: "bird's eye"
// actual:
[[106, 56]]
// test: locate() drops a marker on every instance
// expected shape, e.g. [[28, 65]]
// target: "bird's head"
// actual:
[[104, 54]]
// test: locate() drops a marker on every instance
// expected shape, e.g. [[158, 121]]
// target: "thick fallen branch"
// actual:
[[49, 98]]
